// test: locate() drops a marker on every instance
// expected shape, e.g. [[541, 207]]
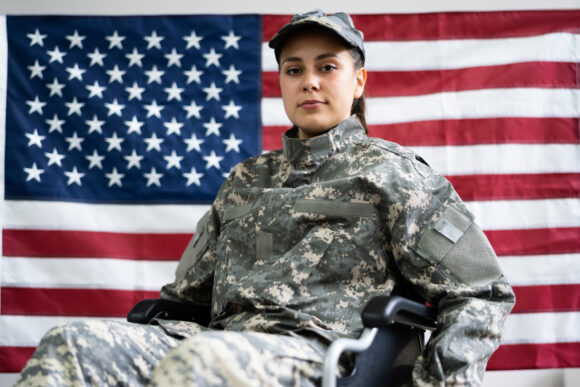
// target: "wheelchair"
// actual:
[[384, 354]]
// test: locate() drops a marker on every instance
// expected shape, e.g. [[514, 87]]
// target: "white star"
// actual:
[[33, 172], [36, 38], [35, 106], [212, 92], [97, 57], [74, 176], [193, 143], [135, 58], [212, 127], [154, 75], [75, 72], [173, 92], [153, 177], [173, 127], [115, 40], [212, 58], [75, 40], [193, 110], [193, 75], [116, 75], [55, 124], [54, 158], [133, 160], [193, 40], [95, 125], [173, 160], [55, 88], [231, 40], [96, 90], [193, 177], [153, 40], [154, 109], [232, 143], [212, 160], [114, 142], [74, 107], [74, 142], [153, 143], [34, 138], [114, 108], [232, 74], [56, 55], [173, 58], [95, 160], [232, 109], [134, 125], [36, 70], [135, 91], [115, 177]]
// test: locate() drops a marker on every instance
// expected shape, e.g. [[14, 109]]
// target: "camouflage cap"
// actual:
[[340, 23]]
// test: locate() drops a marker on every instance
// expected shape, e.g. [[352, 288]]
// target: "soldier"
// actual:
[[297, 241]]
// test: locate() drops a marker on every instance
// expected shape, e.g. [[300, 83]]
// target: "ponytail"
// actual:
[[358, 107]]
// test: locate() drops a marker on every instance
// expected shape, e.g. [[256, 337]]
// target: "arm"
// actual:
[[447, 258]]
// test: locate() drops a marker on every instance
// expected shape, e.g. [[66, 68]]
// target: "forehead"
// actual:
[[311, 40]]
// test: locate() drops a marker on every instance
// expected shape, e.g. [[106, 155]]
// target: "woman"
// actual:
[[297, 242]]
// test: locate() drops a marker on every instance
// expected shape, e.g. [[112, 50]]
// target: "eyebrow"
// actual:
[[319, 57]]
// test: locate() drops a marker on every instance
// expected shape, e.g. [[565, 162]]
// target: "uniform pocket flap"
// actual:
[[231, 213]]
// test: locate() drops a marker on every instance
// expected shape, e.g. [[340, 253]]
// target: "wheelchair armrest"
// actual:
[[147, 309], [385, 310]]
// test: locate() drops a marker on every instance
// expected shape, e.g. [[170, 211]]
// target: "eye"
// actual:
[[328, 67], [292, 71]]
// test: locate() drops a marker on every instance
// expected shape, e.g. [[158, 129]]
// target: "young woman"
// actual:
[[298, 241]]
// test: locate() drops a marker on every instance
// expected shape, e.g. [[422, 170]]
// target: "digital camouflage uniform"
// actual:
[[299, 240]]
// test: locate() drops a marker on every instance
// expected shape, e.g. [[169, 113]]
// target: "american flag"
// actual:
[[118, 131]]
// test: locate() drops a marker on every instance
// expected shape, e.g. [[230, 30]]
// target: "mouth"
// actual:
[[311, 104]]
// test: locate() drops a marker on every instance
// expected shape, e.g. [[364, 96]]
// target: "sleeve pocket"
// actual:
[[196, 247]]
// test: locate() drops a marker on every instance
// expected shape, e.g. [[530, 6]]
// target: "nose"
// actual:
[[310, 82]]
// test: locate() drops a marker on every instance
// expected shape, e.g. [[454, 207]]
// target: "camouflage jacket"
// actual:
[[299, 240]]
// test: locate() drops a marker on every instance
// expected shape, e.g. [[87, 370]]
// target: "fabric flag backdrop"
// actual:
[[118, 131]]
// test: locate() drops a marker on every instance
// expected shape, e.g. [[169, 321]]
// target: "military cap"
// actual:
[[339, 23]]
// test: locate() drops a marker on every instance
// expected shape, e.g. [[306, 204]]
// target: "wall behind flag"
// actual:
[[523, 145]]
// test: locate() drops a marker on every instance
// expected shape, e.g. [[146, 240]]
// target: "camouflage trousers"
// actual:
[[108, 353]]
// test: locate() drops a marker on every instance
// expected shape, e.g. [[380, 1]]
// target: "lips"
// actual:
[[311, 104]]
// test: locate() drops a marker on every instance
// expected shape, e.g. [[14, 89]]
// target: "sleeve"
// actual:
[[195, 271], [449, 261]]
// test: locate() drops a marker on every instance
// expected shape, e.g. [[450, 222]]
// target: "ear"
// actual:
[[360, 81]]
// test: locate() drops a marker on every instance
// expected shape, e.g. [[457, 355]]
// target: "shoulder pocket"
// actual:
[[196, 247], [231, 213]]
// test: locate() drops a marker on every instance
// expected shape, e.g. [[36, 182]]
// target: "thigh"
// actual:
[[241, 359], [97, 353]]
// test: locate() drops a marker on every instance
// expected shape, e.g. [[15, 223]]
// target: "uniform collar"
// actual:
[[308, 151]]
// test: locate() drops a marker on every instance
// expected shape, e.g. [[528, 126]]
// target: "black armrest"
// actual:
[[385, 310], [145, 310]]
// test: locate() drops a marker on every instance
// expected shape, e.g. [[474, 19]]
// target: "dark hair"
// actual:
[[358, 107]]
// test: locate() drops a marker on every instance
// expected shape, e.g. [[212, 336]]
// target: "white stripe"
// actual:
[[102, 217], [556, 269], [485, 103], [454, 54], [501, 158], [89, 273], [526, 214], [26, 331], [538, 328], [518, 329]]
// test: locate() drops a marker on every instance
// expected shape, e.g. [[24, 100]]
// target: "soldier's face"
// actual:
[[319, 81]]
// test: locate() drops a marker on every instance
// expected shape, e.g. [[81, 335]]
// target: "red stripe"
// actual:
[[13, 359], [87, 244], [535, 241], [530, 356], [405, 83], [514, 130], [548, 298], [517, 187], [71, 302], [450, 25]]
